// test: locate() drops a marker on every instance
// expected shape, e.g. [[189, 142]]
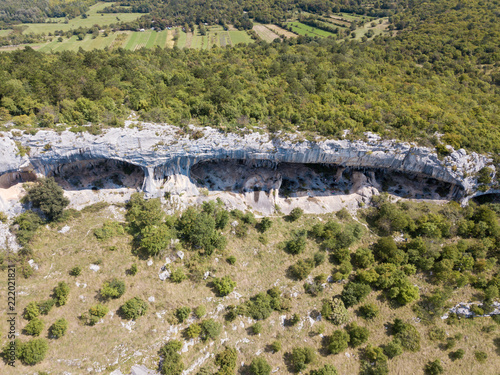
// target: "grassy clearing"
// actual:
[[5, 32], [280, 31], [380, 28], [239, 37], [93, 18], [181, 41], [303, 29], [264, 33]]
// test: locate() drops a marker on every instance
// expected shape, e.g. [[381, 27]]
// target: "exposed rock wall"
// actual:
[[165, 151]]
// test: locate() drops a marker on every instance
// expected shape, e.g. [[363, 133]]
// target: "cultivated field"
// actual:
[[215, 35], [264, 33], [280, 31], [303, 29]]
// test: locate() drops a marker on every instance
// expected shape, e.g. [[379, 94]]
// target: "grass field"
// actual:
[[215, 35], [303, 29], [5, 32], [264, 33], [93, 18]]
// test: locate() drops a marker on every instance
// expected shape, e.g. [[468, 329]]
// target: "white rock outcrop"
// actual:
[[166, 154]]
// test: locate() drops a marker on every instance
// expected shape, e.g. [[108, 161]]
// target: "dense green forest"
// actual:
[[439, 73]]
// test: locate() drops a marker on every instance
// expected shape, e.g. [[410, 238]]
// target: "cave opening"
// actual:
[[7, 180], [313, 180], [98, 174]]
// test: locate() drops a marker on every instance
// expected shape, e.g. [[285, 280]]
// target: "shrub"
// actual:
[[227, 361], [154, 239], [231, 260], [357, 335], [133, 269], [480, 356], [264, 225], [484, 175], [335, 311], [369, 311], [200, 311], [458, 354], [353, 293], [223, 286], [112, 289], [319, 258], [363, 258], [295, 214], [301, 269], [301, 357], [59, 328], [75, 271], [28, 222], [295, 319], [261, 305], [437, 334], [393, 348], [434, 368], [375, 361], [182, 313], [134, 308], [95, 313], [296, 245], [257, 328], [276, 346], [34, 327], [46, 306], [108, 230], [31, 311], [404, 292], [61, 292], [407, 335], [49, 197], [210, 329], [259, 366], [33, 351], [338, 341], [172, 362], [194, 330], [325, 370], [178, 276]]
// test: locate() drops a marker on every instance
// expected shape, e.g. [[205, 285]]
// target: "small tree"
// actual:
[[338, 342], [325, 370], [227, 361], [194, 330], [172, 362], [358, 335], [61, 292], [259, 366], [31, 311], [369, 311], [95, 313], [182, 313], [301, 357], [276, 346], [178, 276], [353, 293], [295, 214], [257, 328], [134, 308], [113, 289], [335, 311], [33, 351], [480, 356], [200, 311], [210, 329], [75, 271], [224, 286], [393, 348], [49, 197], [434, 368], [59, 328], [34, 327], [264, 224]]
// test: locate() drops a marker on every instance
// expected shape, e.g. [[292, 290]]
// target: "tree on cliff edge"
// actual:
[[49, 197]]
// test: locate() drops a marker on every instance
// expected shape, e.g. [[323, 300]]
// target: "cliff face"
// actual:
[[165, 151]]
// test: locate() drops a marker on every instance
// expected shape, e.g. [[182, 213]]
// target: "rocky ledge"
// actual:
[[166, 152]]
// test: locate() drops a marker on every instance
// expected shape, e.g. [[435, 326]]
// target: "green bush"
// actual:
[[182, 313], [458, 354], [358, 335], [49, 197], [363, 258], [95, 313], [200, 311], [369, 311], [374, 361], [226, 360], [113, 288], [264, 225], [154, 239], [194, 330], [34, 327], [434, 367], [296, 245], [301, 269], [338, 341], [231, 260], [295, 214], [353, 293], [33, 351], [143, 212], [386, 250], [223, 286], [480, 356], [108, 230], [276, 346], [407, 335], [210, 329], [295, 319], [61, 293], [59, 328], [325, 370], [133, 270], [437, 334], [319, 258], [393, 348], [334, 310], [27, 224], [134, 308], [178, 276], [31, 311], [256, 328], [259, 366], [75, 271], [301, 357], [46, 306], [172, 361]]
